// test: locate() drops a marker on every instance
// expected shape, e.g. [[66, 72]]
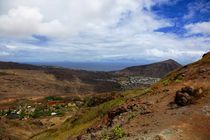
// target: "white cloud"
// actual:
[[26, 21], [92, 30], [202, 27], [71, 17]]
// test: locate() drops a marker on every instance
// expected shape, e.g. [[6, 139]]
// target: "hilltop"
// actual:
[[158, 69]]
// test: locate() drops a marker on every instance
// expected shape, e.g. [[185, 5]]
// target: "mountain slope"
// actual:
[[13, 65], [154, 113], [166, 114], [23, 79], [157, 70]]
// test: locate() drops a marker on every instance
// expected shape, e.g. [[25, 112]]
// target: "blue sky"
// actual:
[[183, 12], [104, 30]]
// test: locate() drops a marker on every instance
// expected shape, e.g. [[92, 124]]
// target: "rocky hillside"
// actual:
[[177, 107], [156, 70]]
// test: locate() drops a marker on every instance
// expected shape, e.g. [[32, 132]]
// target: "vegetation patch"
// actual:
[[166, 82], [28, 109], [178, 81], [136, 92], [98, 111], [53, 98], [118, 132], [89, 116], [76, 125]]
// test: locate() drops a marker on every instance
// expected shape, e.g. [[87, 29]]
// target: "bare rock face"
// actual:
[[115, 112], [187, 95]]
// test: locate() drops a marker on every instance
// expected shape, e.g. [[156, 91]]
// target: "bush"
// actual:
[[118, 132], [88, 101], [166, 82], [53, 98], [105, 137], [178, 81], [22, 114], [2, 113], [40, 111]]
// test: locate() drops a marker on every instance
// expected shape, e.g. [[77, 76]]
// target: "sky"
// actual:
[[104, 30]]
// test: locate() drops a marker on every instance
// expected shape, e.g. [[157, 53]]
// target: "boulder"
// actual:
[[182, 99], [187, 95], [188, 90]]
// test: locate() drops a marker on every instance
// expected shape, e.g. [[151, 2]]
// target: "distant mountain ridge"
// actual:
[[14, 65], [158, 69]]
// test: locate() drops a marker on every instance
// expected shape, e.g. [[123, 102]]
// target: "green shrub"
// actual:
[[166, 82], [60, 112], [178, 81], [118, 132], [40, 111], [146, 90], [53, 98], [2, 113], [105, 137], [22, 114]]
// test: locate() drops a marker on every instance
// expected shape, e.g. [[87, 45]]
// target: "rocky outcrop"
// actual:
[[187, 95], [139, 108], [115, 112]]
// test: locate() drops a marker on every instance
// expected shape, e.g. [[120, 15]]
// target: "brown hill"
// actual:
[[23, 79], [157, 70], [13, 65]]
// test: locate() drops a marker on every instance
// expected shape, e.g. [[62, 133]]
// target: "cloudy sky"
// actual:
[[104, 30]]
